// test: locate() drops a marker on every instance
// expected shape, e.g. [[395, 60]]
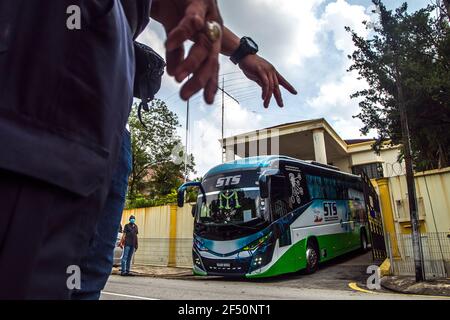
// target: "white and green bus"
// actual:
[[266, 216]]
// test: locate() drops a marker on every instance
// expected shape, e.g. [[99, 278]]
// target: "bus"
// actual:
[[265, 216]]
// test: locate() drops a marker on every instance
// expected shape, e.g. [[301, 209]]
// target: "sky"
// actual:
[[306, 41]]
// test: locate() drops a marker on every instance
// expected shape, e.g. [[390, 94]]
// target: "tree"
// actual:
[[158, 155], [415, 47]]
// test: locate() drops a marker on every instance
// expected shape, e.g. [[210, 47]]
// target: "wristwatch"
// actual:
[[247, 46]]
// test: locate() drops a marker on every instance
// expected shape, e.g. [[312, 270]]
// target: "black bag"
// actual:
[[149, 71]]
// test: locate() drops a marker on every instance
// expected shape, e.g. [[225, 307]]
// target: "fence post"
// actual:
[[391, 259], [173, 237], [388, 214]]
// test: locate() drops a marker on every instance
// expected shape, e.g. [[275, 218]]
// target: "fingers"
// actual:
[[211, 88], [173, 59], [206, 75], [202, 61], [270, 91], [277, 92], [197, 55], [264, 83], [286, 84], [192, 23]]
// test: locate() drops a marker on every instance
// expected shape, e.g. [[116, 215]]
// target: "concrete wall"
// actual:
[[387, 158], [343, 164]]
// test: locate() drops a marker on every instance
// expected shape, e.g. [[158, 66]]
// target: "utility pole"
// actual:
[[412, 200], [223, 114], [187, 140]]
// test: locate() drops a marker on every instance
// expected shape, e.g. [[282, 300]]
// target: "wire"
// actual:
[[228, 73]]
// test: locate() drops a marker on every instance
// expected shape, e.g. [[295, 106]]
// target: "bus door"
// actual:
[[279, 201]]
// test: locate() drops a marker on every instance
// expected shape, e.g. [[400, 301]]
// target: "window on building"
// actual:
[[372, 170]]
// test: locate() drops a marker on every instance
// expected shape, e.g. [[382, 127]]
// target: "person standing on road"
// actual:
[[130, 245]]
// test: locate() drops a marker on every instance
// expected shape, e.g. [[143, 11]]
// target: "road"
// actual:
[[330, 282]]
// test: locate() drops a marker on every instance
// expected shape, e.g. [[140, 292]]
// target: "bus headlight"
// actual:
[[260, 259]]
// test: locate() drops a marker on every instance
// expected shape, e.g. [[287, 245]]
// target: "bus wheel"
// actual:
[[363, 238], [312, 258]]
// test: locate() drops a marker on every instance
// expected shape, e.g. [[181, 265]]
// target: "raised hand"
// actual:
[[187, 20], [264, 73]]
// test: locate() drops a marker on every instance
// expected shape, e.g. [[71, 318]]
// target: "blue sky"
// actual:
[[307, 43]]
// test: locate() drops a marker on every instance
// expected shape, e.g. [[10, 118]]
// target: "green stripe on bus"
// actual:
[[294, 259]]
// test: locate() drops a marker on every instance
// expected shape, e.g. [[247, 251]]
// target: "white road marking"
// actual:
[[128, 296]]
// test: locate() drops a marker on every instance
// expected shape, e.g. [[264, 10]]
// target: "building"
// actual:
[[316, 140]]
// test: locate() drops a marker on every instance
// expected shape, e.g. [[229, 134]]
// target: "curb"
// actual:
[[425, 292]]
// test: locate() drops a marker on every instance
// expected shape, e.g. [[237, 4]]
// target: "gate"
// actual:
[[374, 219]]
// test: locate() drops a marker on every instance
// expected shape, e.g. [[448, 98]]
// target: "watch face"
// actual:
[[252, 44]]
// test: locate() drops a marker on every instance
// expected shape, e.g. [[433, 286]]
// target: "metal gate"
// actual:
[[375, 220]]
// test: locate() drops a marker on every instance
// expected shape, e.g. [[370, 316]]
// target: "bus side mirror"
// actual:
[[182, 189], [264, 186], [193, 210], [180, 198]]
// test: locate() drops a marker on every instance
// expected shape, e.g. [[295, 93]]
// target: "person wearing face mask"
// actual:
[[130, 245]]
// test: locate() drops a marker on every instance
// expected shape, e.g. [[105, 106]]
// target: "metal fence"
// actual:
[[164, 252], [436, 255]]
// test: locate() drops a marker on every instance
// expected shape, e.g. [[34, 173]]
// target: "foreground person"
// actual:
[[65, 96]]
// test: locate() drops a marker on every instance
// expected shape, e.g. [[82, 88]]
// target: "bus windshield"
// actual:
[[232, 206]]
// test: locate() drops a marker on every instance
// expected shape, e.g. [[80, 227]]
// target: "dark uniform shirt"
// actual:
[[131, 232], [137, 12]]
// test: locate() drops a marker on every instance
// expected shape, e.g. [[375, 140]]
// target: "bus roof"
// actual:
[[265, 162]]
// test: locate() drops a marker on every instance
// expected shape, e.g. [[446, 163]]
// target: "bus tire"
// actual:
[[363, 240], [312, 257]]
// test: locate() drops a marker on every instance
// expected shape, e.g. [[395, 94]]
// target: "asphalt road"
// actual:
[[330, 282]]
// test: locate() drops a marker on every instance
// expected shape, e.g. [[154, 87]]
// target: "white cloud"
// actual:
[[334, 103], [332, 100], [206, 133], [285, 30], [341, 14]]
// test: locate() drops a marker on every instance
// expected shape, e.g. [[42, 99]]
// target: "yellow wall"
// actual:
[[434, 201], [152, 222], [165, 235], [155, 222]]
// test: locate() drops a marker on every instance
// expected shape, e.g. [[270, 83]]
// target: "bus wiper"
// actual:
[[240, 226]]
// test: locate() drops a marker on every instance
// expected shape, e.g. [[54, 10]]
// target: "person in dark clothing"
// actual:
[[65, 96], [130, 245]]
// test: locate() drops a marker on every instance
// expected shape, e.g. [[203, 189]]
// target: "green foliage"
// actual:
[[157, 151], [412, 49]]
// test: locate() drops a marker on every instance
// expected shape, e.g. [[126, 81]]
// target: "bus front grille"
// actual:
[[226, 267]]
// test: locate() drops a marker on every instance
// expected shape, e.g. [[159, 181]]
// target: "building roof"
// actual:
[[355, 141], [301, 122]]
